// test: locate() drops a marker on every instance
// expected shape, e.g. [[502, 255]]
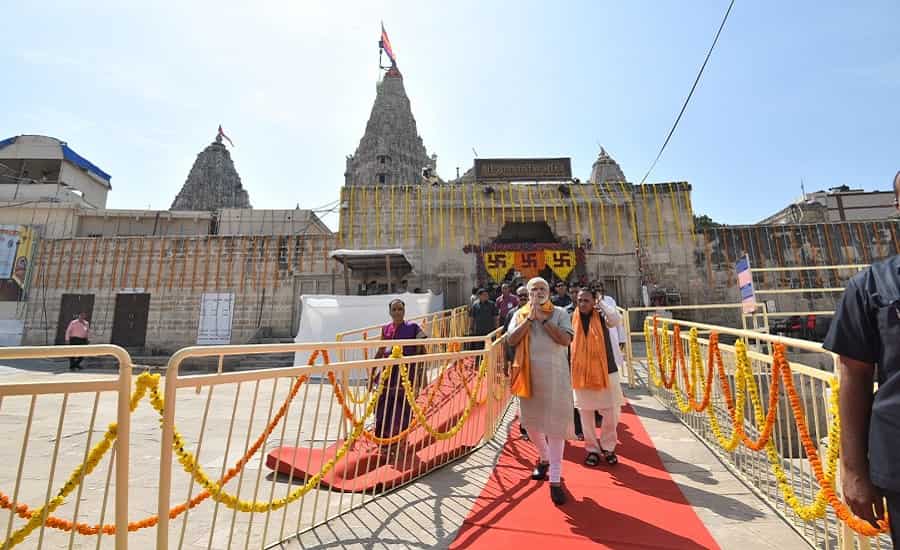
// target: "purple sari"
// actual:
[[392, 412]]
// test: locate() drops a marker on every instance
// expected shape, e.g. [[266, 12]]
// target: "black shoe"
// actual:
[[557, 494], [540, 471], [579, 437]]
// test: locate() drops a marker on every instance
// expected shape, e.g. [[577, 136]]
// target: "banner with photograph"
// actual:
[[25, 252], [9, 241]]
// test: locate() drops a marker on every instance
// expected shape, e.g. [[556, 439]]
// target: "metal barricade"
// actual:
[[772, 418], [30, 429], [634, 354], [209, 459]]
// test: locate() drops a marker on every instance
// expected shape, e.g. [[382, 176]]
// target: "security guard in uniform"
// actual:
[[866, 334]]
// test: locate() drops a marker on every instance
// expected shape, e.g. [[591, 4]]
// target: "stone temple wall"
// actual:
[[444, 228], [641, 236], [267, 274]]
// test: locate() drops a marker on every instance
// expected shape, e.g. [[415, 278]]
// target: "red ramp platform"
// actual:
[[367, 467]]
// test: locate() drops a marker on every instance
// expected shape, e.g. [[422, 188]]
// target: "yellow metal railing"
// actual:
[[763, 291], [89, 392], [217, 495], [772, 419], [641, 314]]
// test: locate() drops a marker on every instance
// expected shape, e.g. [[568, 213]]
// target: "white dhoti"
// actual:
[[608, 402]]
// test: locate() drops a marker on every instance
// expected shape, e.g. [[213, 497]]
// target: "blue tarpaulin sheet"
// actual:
[[70, 156], [82, 162], [6, 142]]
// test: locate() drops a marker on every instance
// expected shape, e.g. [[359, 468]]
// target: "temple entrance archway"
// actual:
[[526, 232]]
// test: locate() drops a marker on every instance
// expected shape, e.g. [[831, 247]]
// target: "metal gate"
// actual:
[[129, 328], [69, 308]]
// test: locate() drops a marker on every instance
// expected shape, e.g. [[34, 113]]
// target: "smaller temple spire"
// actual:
[[213, 181], [606, 169]]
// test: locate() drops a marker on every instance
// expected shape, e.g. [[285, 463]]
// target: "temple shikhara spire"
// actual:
[[391, 151], [606, 169], [213, 182]]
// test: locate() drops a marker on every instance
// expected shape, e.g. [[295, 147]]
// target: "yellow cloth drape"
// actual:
[[590, 367], [520, 384]]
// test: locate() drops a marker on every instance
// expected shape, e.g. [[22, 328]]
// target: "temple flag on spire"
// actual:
[[385, 44], [222, 135]]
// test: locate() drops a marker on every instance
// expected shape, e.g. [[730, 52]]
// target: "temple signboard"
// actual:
[[557, 169]]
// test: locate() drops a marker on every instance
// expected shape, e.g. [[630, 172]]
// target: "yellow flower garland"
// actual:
[[218, 493], [746, 384], [420, 415], [95, 455]]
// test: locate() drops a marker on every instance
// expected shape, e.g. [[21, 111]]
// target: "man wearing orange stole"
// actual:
[[595, 376], [541, 333]]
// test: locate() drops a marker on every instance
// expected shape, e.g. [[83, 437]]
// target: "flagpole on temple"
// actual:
[[384, 46], [381, 49]]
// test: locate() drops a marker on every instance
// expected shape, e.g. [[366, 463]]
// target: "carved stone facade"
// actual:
[[606, 169], [391, 151], [212, 183]]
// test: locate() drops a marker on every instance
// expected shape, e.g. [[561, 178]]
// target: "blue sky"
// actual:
[[794, 90]]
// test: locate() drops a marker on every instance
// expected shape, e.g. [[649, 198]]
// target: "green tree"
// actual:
[[704, 222]]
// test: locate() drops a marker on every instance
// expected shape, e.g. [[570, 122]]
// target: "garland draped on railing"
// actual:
[[149, 384], [662, 369]]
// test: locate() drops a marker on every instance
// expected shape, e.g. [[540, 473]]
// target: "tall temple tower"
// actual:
[[606, 169], [213, 183], [391, 151]]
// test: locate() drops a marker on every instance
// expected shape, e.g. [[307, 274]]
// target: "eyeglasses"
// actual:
[[523, 296]]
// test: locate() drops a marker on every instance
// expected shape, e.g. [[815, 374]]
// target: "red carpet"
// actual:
[[632, 505], [366, 468]]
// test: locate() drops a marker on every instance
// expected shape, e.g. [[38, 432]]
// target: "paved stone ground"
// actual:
[[425, 514], [429, 513], [207, 525]]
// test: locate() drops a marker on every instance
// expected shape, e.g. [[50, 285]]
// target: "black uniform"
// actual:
[[867, 328]]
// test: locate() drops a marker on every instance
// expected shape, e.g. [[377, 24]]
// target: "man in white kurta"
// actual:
[[607, 401], [616, 333], [547, 413]]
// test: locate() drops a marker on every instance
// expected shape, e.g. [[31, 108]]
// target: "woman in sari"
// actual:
[[392, 412]]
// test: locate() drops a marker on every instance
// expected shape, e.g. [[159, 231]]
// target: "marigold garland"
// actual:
[[150, 382], [420, 415], [745, 384], [368, 434]]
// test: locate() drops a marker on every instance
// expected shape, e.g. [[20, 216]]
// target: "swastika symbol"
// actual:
[[496, 261], [561, 259], [529, 259]]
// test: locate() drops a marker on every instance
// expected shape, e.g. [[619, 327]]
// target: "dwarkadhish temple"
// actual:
[[212, 269]]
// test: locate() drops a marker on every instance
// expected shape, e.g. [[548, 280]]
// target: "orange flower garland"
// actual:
[[24, 512], [745, 383]]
